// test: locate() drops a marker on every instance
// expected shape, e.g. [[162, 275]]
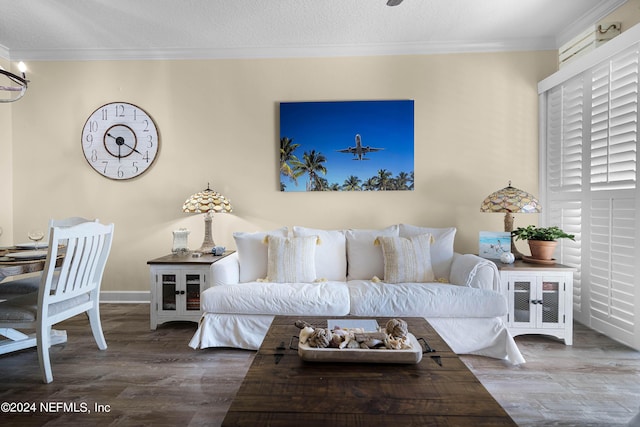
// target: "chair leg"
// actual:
[[43, 340], [96, 327]]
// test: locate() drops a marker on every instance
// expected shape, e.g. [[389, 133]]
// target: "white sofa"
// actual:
[[343, 273]]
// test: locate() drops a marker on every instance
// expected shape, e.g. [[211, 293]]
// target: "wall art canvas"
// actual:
[[347, 145], [493, 244]]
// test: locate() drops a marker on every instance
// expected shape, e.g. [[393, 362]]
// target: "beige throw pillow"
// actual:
[[291, 260], [407, 260]]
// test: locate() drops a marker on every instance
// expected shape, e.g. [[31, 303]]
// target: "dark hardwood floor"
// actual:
[[153, 378]]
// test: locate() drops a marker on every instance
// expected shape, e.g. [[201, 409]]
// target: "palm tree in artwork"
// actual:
[[352, 184], [402, 181], [370, 184], [383, 180], [288, 159], [312, 164], [410, 182]]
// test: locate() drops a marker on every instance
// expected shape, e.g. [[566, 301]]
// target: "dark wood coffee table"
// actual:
[[280, 389]]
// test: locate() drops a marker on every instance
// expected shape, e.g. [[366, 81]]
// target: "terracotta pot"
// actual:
[[542, 249]]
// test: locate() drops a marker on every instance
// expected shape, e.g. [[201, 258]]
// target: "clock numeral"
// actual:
[[150, 138], [135, 167], [105, 163], [89, 139], [120, 172], [135, 114], [119, 110], [94, 155], [146, 156], [105, 114], [93, 126]]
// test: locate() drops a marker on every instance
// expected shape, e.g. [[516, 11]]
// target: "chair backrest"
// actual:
[[85, 248], [68, 222]]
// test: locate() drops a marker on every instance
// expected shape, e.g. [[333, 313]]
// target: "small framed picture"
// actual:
[[493, 244]]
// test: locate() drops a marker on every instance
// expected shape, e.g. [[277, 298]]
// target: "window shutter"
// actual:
[[590, 137], [564, 136], [614, 122], [568, 216], [612, 262]]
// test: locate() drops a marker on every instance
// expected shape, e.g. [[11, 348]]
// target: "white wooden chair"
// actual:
[[30, 284], [72, 289]]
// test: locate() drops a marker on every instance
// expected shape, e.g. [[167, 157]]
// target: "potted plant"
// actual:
[[542, 240]]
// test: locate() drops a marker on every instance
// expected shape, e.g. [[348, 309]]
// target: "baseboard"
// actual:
[[125, 297]]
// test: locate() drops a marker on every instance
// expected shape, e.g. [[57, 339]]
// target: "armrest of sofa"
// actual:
[[226, 271], [475, 272]]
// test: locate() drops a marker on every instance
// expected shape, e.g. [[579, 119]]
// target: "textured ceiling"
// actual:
[[101, 29]]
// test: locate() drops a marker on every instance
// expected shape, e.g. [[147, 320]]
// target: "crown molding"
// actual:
[[284, 52], [4, 53]]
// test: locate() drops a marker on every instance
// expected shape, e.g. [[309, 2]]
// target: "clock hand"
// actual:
[[128, 146], [120, 142]]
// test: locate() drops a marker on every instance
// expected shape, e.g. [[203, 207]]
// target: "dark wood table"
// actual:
[[16, 267], [280, 389]]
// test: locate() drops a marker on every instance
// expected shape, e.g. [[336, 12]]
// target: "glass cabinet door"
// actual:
[[550, 302], [169, 292], [193, 291], [522, 301]]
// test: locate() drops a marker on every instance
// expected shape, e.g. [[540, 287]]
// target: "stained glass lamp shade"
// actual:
[[207, 202], [510, 200]]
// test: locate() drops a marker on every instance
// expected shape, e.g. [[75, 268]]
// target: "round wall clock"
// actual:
[[120, 140]]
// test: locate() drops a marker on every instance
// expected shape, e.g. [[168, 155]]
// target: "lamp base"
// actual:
[[508, 227], [208, 243]]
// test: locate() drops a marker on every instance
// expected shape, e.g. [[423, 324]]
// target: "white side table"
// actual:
[[176, 284], [540, 299]]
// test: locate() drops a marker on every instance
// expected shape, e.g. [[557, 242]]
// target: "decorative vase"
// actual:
[[542, 249], [180, 241]]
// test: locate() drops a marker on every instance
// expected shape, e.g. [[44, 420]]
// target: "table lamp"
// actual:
[[510, 200], [207, 202]]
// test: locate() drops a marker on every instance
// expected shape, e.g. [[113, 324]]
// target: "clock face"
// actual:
[[120, 140]]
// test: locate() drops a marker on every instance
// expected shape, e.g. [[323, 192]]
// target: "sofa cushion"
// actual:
[[252, 253], [309, 299], [331, 252], [364, 259], [406, 259], [291, 259], [441, 247], [423, 300]]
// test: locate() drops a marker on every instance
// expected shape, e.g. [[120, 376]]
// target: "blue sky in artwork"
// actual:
[[330, 126]]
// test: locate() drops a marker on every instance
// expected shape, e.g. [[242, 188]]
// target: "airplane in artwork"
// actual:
[[359, 151]]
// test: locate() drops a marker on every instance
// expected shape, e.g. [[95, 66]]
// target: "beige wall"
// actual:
[[628, 14], [476, 128], [6, 187]]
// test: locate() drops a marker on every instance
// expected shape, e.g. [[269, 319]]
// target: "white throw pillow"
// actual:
[[441, 247], [252, 253], [331, 252], [291, 260], [364, 259], [407, 260]]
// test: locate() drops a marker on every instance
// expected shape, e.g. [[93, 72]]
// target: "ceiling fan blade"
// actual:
[[393, 2]]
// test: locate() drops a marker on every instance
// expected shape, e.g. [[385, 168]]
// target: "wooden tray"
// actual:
[[360, 355]]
